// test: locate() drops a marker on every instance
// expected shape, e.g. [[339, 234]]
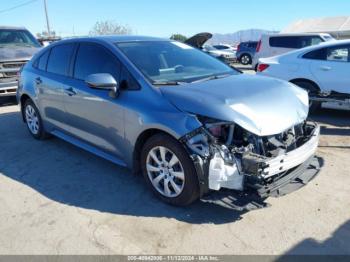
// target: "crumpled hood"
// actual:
[[261, 105], [17, 53]]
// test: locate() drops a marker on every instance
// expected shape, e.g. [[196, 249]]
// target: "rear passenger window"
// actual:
[[253, 45], [93, 59], [42, 62], [319, 54], [59, 59], [285, 42], [294, 42]]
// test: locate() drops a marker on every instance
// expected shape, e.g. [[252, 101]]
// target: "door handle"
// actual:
[[326, 68], [38, 81], [70, 91]]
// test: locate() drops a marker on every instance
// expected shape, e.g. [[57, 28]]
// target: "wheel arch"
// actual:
[[140, 142], [23, 100], [294, 81]]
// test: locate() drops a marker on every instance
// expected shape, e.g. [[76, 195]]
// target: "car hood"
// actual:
[[17, 53], [199, 40], [264, 106]]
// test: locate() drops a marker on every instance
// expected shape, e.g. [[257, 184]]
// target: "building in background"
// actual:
[[338, 27]]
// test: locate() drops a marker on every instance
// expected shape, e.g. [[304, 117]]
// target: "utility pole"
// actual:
[[47, 20]]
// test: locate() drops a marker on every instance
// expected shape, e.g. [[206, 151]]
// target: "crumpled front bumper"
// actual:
[[292, 159], [268, 176]]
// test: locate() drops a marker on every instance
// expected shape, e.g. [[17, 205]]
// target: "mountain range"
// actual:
[[239, 36]]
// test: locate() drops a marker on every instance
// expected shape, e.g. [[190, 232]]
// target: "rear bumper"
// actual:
[[8, 88]]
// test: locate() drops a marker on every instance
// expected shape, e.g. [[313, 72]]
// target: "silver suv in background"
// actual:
[[277, 44], [17, 46]]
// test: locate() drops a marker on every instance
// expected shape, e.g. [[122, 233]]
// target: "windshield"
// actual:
[[165, 62], [11, 37], [328, 38]]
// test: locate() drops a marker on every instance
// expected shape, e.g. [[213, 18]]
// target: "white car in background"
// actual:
[[226, 47], [277, 44], [228, 57], [199, 40], [323, 70]]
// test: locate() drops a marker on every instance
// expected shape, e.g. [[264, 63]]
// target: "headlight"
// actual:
[[220, 130]]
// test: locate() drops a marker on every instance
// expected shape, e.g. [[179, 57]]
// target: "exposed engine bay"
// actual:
[[234, 158]]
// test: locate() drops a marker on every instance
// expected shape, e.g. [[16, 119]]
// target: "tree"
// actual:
[[178, 37], [110, 28]]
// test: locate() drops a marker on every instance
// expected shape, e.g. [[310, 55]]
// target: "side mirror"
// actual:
[[103, 81]]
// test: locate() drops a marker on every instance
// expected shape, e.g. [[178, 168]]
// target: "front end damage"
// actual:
[[228, 156]]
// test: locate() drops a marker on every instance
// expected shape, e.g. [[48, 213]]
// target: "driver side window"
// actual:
[[93, 59]]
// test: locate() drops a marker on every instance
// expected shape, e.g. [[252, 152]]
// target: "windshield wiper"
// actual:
[[168, 83], [213, 77]]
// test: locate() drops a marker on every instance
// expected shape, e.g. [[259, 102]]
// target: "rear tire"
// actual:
[[169, 171], [313, 90], [33, 120], [245, 59]]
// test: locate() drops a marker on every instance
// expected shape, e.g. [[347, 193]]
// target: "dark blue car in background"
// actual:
[[246, 52]]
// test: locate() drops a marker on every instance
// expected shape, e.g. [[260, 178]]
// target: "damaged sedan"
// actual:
[[187, 121]]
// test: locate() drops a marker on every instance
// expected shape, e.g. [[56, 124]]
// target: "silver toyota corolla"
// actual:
[[187, 121]]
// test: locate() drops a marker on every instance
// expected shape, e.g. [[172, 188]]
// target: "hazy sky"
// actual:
[[162, 17]]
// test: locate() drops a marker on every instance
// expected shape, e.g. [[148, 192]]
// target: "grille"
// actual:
[[8, 70], [12, 65]]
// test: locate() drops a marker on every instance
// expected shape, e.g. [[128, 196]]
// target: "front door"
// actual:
[[93, 116]]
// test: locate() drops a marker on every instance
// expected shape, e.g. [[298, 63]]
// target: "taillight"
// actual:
[[262, 67], [238, 47], [258, 47]]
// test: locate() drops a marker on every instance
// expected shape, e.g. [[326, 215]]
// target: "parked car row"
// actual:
[[226, 55]]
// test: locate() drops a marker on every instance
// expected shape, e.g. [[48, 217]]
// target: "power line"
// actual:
[[17, 6]]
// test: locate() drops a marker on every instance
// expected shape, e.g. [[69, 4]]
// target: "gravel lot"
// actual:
[[58, 199]]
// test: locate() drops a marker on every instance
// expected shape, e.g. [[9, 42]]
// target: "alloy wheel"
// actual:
[[32, 119], [165, 171], [245, 60]]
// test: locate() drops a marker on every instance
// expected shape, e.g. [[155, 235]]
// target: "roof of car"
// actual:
[[120, 38], [296, 34], [13, 27]]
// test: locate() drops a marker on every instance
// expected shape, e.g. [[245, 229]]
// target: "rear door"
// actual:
[[51, 82], [332, 70]]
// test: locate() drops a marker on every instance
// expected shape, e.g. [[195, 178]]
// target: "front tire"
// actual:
[[169, 171], [33, 120]]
